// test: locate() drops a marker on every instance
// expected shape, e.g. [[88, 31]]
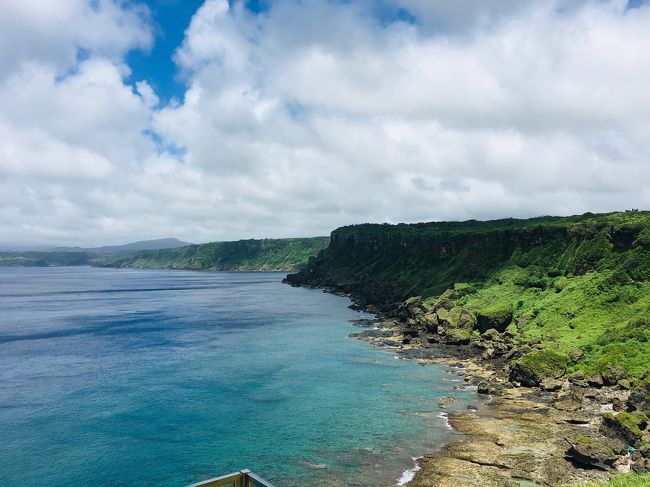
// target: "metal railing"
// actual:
[[243, 478]]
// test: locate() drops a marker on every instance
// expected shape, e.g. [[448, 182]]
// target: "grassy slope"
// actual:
[[625, 480], [254, 255], [575, 282]]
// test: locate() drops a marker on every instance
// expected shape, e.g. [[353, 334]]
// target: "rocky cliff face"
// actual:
[[386, 264]]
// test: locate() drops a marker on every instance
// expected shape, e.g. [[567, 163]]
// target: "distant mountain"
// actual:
[[159, 244]]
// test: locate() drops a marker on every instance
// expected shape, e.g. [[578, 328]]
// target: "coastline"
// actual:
[[519, 436]]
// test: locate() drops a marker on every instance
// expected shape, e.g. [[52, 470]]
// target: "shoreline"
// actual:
[[520, 436]]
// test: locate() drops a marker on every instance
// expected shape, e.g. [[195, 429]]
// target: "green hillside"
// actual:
[[243, 255], [580, 282]]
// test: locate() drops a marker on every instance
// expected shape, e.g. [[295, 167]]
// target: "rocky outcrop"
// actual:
[[590, 453]]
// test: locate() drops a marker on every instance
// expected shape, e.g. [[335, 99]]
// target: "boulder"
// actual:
[[624, 384], [595, 380], [578, 378], [445, 401], [538, 365], [456, 337], [496, 317], [628, 426], [591, 453], [639, 399], [612, 374], [551, 385]]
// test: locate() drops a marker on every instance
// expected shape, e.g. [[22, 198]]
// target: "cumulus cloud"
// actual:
[[316, 114]]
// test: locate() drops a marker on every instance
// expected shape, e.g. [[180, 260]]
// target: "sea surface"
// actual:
[[154, 377]]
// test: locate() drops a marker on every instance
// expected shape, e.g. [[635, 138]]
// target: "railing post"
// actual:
[[245, 478]]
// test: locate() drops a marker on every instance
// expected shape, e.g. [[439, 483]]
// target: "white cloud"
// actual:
[[317, 114]]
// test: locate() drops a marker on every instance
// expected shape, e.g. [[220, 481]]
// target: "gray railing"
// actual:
[[243, 478]]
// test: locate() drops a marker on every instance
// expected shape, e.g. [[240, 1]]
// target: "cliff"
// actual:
[[574, 282]]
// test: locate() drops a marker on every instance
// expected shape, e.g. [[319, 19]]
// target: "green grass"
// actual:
[[623, 480]]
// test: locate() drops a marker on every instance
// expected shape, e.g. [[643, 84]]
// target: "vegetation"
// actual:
[[624, 480], [580, 283], [43, 259], [244, 255]]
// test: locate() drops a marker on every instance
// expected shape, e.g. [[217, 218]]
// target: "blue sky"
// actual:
[[170, 18], [209, 121]]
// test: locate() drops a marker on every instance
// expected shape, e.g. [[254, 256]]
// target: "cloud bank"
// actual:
[[311, 115]]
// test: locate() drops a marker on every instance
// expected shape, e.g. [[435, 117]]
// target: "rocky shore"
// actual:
[[536, 427]]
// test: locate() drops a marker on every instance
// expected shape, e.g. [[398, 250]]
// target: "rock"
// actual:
[[624, 384], [445, 401], [536, 366], [363, 323], [645, 451], [486, 387], [628, 426], [456, 337], [639, 399], [613, 374], [492, 335], [578, 378], [591, 453], [617, 404], [497, 318], [524, 375], [551, 385], [488, 354], [595, 380], [576, 354], [640, 465], [431, 322]]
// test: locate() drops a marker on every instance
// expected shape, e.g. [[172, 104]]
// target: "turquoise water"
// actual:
[[132, 377]]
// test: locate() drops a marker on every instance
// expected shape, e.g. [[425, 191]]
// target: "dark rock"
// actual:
[[628, 426], [363, 323], [613, 374], [591, 453], [640, 465], [455, 337], [639, 399], [617, 404], [645, 451], [487, 387], [524, 375], [371, 334]]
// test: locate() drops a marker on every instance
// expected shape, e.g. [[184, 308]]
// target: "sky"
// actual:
[[221, 120]]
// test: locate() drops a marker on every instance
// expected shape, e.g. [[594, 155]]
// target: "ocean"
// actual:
[[122, 377]]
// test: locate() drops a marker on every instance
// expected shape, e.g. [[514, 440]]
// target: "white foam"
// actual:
[[409, 474], [445, 417]]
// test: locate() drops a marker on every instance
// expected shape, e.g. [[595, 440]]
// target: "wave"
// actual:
[[409, 474]]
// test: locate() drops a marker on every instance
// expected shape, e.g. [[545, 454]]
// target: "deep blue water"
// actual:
[[132, 377]]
